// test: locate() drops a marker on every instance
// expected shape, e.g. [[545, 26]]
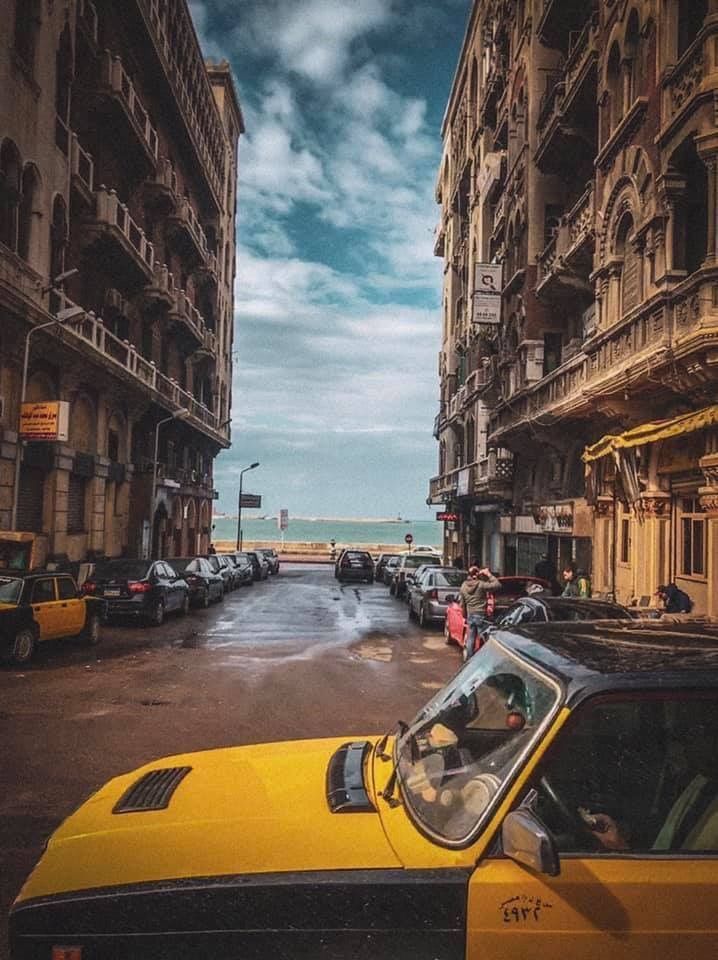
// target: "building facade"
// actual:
[[580, 153], [118, 169]]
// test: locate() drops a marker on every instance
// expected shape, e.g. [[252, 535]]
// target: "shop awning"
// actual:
[[652, 433]]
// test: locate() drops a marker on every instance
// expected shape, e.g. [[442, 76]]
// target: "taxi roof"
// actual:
[[599, 656]]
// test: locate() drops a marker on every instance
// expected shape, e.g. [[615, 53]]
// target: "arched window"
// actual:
[[691, 14], [631, 268], [27, 25], [10, 184], [63, 75], [635, 78], [58, 237], [689, 208], [30, 211], [614, 87]]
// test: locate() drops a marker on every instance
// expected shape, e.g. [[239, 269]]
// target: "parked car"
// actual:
[[512, 588], [380, 565], [355, 565], [428, 595], [530, 611], [43, 606], [391, 564], [140, 589], [413, 576], [407, 566], [260, 564], [204, 584], [272, 558], [244, 567], [221, 565], [525, 811]]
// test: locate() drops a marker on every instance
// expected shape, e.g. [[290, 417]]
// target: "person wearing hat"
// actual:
[[473, 596], [674, 599]]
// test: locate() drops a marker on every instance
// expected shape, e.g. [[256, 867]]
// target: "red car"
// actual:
[[512, 589]]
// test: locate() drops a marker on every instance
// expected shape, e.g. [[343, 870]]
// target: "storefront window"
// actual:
[[693, 538]]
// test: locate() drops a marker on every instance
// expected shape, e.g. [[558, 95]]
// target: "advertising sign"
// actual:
[[283, 519], [487, 293], [252, 500], [447, 517], [47, 420]]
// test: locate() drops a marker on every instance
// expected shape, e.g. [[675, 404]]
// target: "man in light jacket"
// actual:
[[472, 595]]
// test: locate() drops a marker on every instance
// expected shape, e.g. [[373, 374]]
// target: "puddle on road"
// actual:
[[420, 660], [433, 643], [431, 685], [370, 650]]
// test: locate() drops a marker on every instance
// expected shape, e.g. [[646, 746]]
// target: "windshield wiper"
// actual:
[[388, 792]]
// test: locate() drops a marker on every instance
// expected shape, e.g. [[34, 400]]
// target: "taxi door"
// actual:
[[596, 909], [71, 615], [45, 607], [612, 851]]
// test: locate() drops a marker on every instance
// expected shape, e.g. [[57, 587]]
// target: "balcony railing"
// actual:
[[110, 210], [692, 75], [185, 310], [546, 260], [81, 164], [90, 332], [494, 473], [114, 76], [186, 216]]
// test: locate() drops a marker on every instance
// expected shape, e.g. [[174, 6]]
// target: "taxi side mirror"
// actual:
[[527, 841]]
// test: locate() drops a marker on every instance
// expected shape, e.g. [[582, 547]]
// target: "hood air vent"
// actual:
[[345, 779], [153, 791]]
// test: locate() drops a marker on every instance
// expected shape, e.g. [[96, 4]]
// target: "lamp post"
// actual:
[[63, 316], [177, 415], [239, 505]]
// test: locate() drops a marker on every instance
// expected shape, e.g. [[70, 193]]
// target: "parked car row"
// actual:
[[47, 605]]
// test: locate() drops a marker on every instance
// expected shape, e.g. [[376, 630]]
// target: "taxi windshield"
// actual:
[[462, 750], [10, 589]]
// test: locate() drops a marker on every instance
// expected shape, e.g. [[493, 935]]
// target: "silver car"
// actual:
[[428, 598], [407, 567]]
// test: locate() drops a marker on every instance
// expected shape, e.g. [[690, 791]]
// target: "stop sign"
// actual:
[[408, 538]]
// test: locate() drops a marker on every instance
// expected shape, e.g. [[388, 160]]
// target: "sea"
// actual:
[[322, 530]]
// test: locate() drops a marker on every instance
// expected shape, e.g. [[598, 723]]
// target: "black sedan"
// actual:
[[355, 565], [204, 584], [260, 564], [139, 589], [222, 566], [243, 568]]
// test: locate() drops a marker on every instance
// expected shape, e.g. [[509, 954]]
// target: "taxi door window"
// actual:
[[66, 589], [634, 775], [43, 591]]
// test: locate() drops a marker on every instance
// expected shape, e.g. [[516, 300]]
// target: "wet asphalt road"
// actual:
[[299, 655]]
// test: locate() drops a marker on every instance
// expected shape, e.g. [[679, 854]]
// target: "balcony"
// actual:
[[444, 488], [568, 118], [197, 106], [121, 358], [190, 483], [439, 239], [81, 163], [691, 81], [187, 317], [494, 476], [185, 230], [565, 265], [113, 230], [117, 87], [162, 187]]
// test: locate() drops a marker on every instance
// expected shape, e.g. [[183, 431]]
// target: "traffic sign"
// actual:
[[283, 519], [253, 500], [408, 538]]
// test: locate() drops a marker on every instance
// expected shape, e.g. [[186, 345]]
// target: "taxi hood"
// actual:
[[234, 811]]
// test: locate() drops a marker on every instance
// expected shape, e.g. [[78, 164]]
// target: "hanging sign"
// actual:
[[47, 420], [252, 500], [486, 301]]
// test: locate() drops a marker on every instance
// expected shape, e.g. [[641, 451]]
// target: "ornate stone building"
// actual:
[[580, 153], [118, 171]]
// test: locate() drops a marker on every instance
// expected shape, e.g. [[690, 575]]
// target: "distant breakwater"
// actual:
[[343, 532]]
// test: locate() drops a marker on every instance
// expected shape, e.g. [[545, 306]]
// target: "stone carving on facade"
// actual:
[[655, 504], [685, 82]]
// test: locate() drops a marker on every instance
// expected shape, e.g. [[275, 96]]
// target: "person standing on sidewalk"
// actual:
[[473, 595]]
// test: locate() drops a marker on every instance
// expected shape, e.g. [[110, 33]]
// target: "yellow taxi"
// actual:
[[43, 606], [558, 798]]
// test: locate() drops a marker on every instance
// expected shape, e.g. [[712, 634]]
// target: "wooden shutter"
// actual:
[[30, 499]]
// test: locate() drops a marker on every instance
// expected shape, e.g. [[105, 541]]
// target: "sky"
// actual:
[[337, 296]]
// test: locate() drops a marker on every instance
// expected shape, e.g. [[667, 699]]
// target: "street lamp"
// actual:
[[180, 414], [62, 316], [239, 506]]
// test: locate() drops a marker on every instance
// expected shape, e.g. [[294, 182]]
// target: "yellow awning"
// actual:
[[652, 433]]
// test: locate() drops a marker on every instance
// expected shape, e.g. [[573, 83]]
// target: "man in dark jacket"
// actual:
[[472, 595], [674, 599]]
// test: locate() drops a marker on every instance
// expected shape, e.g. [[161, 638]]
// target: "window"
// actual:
[[642, 768], [29, 211], [10, 189], [691, 14], [27, 23], [76, 504], [552, 349], [113, 446], [625, 540], [66, 589], [43, 591], [693, 538]]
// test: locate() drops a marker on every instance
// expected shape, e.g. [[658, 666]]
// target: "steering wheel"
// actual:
[[569, 817]]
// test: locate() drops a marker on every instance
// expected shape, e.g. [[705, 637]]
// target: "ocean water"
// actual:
[[427, 532]]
